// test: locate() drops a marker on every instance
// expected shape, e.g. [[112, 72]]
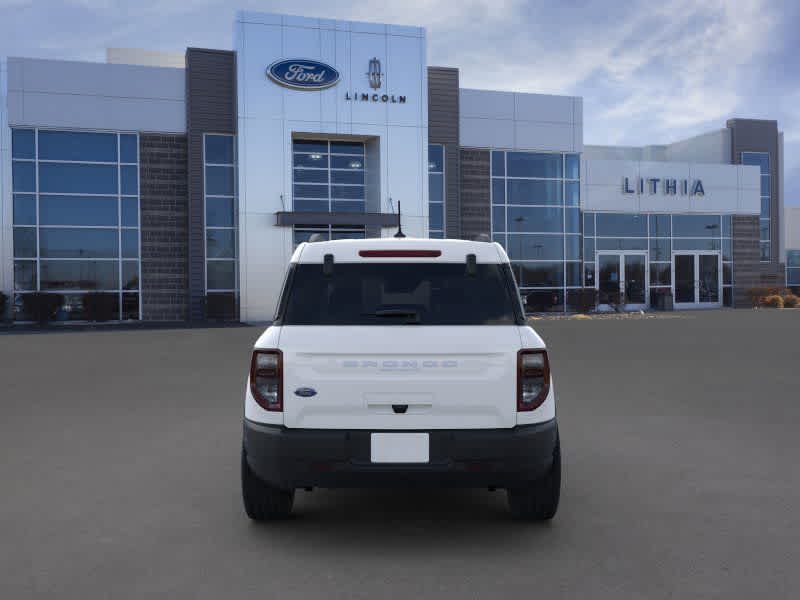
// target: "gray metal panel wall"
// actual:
[[475, 196], [165, 226], [210, 108], [754, 135], [443, 128]]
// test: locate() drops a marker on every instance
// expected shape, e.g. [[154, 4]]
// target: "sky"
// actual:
[[649, 72]]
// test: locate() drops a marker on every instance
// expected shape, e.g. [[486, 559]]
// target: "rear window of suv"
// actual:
[[399, 294]]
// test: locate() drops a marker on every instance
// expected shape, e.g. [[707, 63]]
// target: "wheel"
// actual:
[[263, 502], [538, 501]]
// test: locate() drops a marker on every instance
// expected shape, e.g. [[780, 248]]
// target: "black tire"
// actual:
[[263, 502], [538, 501]]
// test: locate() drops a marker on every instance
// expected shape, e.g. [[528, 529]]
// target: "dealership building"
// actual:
[[181, 183]]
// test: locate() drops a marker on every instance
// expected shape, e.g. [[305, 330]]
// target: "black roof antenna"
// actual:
[[399, 233]]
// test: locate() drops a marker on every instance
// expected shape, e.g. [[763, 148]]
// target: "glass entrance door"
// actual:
[[697, 280], [622, 280]]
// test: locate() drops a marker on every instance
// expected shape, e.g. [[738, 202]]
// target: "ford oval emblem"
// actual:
[[303, 74], [305, 392]]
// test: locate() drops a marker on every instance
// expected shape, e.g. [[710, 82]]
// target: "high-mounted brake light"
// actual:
[[533, 379], [399, 253], [266, 379]]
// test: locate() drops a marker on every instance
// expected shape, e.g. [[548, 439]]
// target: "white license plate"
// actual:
[[399, 447]]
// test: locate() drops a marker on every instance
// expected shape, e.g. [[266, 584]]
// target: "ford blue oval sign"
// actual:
[[303, 74]]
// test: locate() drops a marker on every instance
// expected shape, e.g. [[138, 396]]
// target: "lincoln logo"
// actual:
[[301, 74], [374, 74]]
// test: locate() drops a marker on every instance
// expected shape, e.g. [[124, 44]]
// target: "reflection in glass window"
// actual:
[[762, 160], [219, 152], [436, 195], [74, 237]]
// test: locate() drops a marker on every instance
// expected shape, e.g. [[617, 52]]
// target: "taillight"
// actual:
[[533, 379], [266, 379]]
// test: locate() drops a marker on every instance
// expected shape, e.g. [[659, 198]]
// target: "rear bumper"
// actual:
[[293, 458]]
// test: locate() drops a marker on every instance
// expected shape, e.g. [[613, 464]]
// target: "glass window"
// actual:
[[344, 162], [660, 249], [660, 274], [25, 275], [24, 209], [130, 307], [221, 274], [79, 275], [542, 274], [727, 249], [130, 275], [535, 247], [23, 143], [436, 187], [588, 274], [312, 146], [696, 225], [219, 181], [572, 220], [573, 166], [727, 226], [759, 159], [572, 247], [77, 210], [498, 191], [621, 243], [130, 212], [78, 146], [303, 235], [219, 212], [23, 176], [436, 216], [573, 274], [347, 192], [310, 191], [727, 273], [66, 178], [530, 164], [765, 250], [356, 177], [220, 243], [347, 148], [129, 180], [763, 229], [311, 205], [588, 249], [527, 191], [727, 297], [535, 219], [765, 207], [130, 243], [621, 225], [498, 163], [543, 300], [695, 244], [311, 175], [128, 148], [340, 234], [498, 218], [765, 191], [572, 191], [793, 258], [78, 243], [588, 224], [347, 206], [435, 158], [318, 161], [219, 149], [660, 226], [25, 242]]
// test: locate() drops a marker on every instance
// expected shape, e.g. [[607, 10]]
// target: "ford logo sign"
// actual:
[[303, 74], [305, 392]]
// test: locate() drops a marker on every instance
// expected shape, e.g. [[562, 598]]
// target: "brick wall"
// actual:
[[165, 227], [475, 196], [748, 270]]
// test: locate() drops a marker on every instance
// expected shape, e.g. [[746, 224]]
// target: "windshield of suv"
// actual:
[[400, 294]]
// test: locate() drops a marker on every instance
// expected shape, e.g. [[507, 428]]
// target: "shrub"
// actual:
[[41, 306], [99, 306], [773, 301], [790, 301], [3, 306]]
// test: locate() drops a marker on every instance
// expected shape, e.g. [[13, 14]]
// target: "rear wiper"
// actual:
[[395, 312]]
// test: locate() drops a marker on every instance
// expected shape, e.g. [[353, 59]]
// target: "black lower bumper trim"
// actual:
[[296, 458]]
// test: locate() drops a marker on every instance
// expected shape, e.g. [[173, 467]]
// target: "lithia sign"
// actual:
[[669, 187], [306, 74]]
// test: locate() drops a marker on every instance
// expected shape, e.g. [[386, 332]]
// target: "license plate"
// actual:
[[399, 447]]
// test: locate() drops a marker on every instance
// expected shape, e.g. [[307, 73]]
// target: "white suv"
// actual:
[[396, 362]]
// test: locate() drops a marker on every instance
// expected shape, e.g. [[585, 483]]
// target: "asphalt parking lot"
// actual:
[[119, 458]]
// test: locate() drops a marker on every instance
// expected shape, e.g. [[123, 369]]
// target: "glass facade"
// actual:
[[536, 218], [76, 219], [761, 160], [660, 235], [436, 192], [793, 269], [221, 224]]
